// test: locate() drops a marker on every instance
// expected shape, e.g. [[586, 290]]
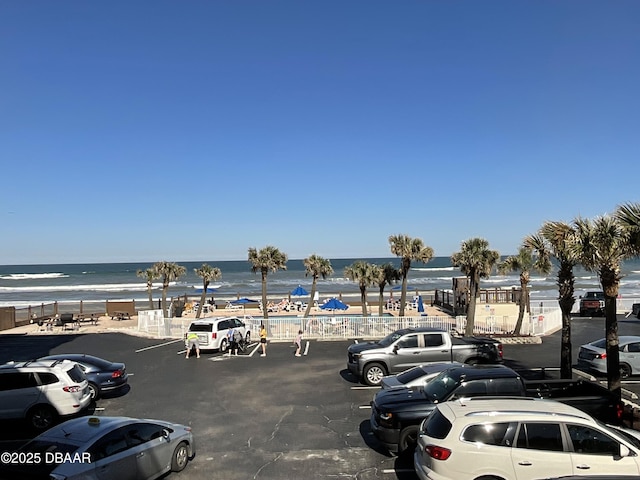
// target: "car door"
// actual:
[[594, 452], [406, 353], [151, 448], [113, 457], [435, 348], [240, 326], [539, 452], [631, 355], [18, 392]]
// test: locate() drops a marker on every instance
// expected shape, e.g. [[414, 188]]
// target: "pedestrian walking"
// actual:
[[192, 341], [233, 344], [298, 343], [263, 340]]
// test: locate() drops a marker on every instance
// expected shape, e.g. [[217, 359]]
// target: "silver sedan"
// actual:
[[108, 448], [594, 355]]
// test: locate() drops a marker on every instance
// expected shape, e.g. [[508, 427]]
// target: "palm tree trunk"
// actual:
[[265, 314], [613, 354], [312, 296], [202, 299], [149, 287], [523, 300], [363, 299], [474, 291], [566, 301], [164, 300], [403, 295], [381, 302]]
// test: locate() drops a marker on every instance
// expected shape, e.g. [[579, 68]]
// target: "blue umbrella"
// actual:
[[420, 304], [334, 304], [244, 301], [299, 292]]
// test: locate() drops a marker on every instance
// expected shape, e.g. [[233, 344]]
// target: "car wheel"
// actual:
[[473, 361], [41, 417], [373, 374], [625, 370], [180, 457], [408, 439], [94, 391], [489, 478], [223, 345]]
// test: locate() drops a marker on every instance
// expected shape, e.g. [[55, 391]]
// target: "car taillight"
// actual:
[[500, 352], [214, 335], [116, 374], [619, 411], [601, 356], [437, 453], [72, 389]]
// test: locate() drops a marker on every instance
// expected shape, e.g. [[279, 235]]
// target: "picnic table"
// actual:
[[88, 317], [120, 315]]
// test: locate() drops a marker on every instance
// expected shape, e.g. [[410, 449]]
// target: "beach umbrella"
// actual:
[[299, 292], [244, 301], [334, 304], [209, 290], [420, 304]]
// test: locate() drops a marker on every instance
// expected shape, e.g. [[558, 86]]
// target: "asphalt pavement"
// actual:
[[253, 417]]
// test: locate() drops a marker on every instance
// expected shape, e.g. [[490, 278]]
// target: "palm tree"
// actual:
[[408, 249], [265, 260], [169, 272], [629, 217], [602, 245], [557, 239], [365, 274], [315, 266], [385, 275], [524, 262], [208, 274], [476, 261], [150, 274]]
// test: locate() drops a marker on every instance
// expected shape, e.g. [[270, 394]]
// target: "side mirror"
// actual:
[[165, 434], [624, 451], [395, 349]]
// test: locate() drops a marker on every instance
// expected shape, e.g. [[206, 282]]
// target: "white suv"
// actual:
[[212, 332], [40, 391], [519, 439]]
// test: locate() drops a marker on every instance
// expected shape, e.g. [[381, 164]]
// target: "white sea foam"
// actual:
[[434, 269], [103, 287], [32, 276]]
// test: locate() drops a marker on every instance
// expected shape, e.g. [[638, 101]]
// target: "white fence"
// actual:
[[336, 327]]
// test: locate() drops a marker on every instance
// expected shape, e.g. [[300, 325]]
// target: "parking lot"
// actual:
[[269, 417]]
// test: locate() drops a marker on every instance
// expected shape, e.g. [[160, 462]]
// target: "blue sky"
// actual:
[[171, 130]]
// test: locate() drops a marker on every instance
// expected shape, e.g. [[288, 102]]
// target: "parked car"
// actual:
[[107, 447], [40, 391], [594, 355], [410, 347], [519, 439], [416, 376], [592, 304], [396, 414], [212, 332], [103, 375]]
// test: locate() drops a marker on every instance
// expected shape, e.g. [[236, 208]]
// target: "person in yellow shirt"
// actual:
[[263, 340], [192, 341]]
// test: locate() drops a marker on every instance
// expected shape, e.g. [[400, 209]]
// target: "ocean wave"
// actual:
[[434, 269], [32, 276], [103, 287]]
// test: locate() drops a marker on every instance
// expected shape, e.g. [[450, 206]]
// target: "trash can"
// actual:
[[178, 308]]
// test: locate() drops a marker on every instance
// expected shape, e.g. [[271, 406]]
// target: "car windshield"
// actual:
[[76, 374], [392, 337], [440, 387], [49, 446], [600, 343], [596, 295]]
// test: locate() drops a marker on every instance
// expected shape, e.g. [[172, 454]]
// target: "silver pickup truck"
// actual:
[[409, 347]]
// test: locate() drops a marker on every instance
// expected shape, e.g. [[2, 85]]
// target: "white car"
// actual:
[[519, 439], [594, 355], [40, 391], [212, 332]]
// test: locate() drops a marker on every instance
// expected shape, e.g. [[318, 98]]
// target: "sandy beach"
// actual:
[[106, 324]]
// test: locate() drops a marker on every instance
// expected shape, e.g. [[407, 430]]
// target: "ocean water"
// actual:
[[23, 285]]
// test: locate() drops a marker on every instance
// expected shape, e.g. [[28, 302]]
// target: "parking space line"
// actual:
[[398, 470], [159, 345], [365, 388], [364, 407], [306, 349]]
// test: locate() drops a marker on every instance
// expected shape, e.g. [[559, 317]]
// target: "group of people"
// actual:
[[234, 337]]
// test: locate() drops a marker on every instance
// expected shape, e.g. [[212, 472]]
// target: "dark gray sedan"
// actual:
[[103, 375], [119, 448]]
